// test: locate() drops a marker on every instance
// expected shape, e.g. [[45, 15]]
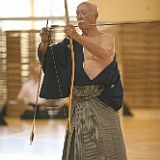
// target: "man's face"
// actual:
[[85, 15]]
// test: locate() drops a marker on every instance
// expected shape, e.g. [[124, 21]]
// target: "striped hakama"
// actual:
[[96, 132]]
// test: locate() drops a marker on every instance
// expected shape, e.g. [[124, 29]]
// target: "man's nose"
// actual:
[[79, 16]]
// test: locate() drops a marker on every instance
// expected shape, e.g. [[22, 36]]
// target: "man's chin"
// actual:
[[82, 26]]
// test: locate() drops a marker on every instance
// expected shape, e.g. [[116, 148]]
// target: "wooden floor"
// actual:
[[141, 134]]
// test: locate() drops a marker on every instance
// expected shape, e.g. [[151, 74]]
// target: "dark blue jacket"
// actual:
[[57, 75]]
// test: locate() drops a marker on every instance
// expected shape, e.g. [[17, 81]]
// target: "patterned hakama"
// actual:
[[96, 133]]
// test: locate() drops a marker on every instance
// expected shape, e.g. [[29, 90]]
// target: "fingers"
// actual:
[[70, 31]]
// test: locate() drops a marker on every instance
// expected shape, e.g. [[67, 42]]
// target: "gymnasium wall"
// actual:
[[138, 54]]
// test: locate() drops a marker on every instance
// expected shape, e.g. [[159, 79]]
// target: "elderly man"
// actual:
[[97, 94]]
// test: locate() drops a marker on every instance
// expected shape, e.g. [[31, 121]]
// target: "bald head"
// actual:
[[91, 7]]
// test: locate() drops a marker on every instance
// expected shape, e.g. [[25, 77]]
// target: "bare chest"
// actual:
[[93, 65]]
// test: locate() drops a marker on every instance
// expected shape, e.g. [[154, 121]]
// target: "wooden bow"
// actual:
[[73, 69]]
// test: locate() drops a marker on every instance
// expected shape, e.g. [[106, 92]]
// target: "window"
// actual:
[[22, 8], [15, 8], [13, 13], [55, 7]]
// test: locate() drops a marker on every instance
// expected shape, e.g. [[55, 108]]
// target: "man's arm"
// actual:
[[103, 53]]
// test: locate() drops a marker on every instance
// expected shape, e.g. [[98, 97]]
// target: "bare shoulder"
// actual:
[[109, 37], [109, 41]]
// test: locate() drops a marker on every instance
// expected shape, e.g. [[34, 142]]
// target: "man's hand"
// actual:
[[71, 32]]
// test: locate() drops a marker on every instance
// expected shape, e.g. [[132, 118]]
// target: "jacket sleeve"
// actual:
[[55, 64], [60, 50]]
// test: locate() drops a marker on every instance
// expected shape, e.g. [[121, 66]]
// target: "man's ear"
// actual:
[[96, 15]]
